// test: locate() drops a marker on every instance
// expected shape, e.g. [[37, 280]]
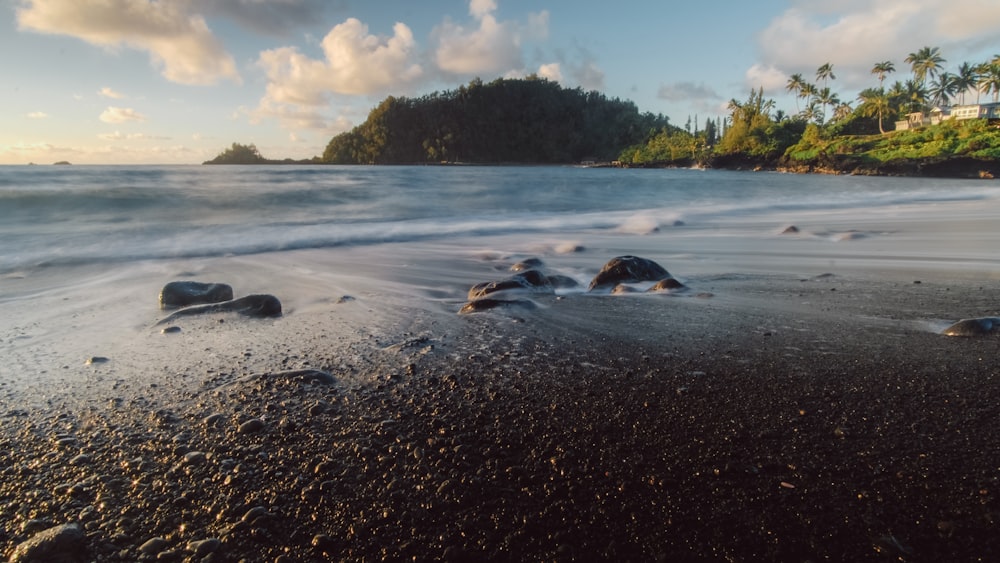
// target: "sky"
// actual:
[[178, 81]]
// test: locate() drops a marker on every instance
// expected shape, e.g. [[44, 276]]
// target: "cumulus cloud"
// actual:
[[37, 115], [109, 93], [178, 41], [853, 36], [767, 77], [354, 62], [686, 92], [489, 47], [551, 71], [120, 115]]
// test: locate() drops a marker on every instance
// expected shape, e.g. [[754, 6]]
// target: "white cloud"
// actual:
[[37, 115], [119, 136], [551, 71], [110, 93], [355, 62], [179, 42], [493, 47], [120, 115], [855, 35], [768, 77]]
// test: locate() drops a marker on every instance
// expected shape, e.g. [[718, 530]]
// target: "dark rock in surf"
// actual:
[[667, 285], [559, 281], [62, 543], [627, 269], [260, 305], [527, 264], [790, 230], [530, 281], [488, 304], [184, 293], [973, 327]]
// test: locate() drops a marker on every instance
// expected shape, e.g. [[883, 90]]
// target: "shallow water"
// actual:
[[85, 250]]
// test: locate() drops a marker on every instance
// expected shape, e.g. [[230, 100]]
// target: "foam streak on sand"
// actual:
[[799, 381]]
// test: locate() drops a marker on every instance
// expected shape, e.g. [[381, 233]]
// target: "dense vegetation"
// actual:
[[248, 154], [528, 120], [829, 134]]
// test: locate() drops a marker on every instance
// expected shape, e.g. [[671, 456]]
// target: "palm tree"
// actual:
[[842, 111], [808, 92], [943, 88], [795, 85], [925, 63], [826, 98], [874, 103], [966, 79], [825, 73], [882, 69], [989, 79]]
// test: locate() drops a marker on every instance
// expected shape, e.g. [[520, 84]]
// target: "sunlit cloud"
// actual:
[[37, 115], [853, 36], [120, 115], [119, 136], [488, 48], [177, 41], [110, 93], [551, 71]]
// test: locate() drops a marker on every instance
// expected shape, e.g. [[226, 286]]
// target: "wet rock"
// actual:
[[202, 548], [790, 230], [627, 269], [487, 304], [258, 305], [666, 286], [184, 293], [527, 264], [153, 546], [973, 327], [63, 543], [531, 281], [251, 426]]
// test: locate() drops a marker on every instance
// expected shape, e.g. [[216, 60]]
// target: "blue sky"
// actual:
[[177, 81]]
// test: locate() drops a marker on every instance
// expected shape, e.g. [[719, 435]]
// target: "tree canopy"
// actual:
[[530, 120]]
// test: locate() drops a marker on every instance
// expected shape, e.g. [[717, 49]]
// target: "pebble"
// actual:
[[202, 548], [153, 546], [251, 426], [81, 459], [195, 458]]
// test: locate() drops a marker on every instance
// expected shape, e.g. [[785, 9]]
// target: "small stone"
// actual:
[[81, 459], [153, 546], [213, 419], [202, 548], [251, 426], [254, 513], [171, 330], [96, 360], [195, 458]]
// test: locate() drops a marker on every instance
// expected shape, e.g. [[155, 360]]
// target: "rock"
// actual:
[[627, 269], [973, 327], [560, 281], [202, 548], [667, 285], [251, 426], [790, 230], [184, 293], [195, 458], [96, 360], [153, 546], [63, 544], [527, 264], [531, 281], [259, 305], [486, 304]]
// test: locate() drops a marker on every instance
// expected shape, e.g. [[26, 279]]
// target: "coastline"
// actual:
[[786, 417]]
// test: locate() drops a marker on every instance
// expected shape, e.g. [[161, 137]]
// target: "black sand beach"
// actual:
[[782, 419]]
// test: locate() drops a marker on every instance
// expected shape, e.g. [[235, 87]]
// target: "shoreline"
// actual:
[[785, 417]]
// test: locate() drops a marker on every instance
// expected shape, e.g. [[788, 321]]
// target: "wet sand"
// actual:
[[786, 417]]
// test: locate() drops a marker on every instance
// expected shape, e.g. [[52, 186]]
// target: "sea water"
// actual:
[[84, 250]]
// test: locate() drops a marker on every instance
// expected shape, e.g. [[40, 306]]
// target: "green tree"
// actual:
[[883, 69], [796, 84], [239, 154], [925, 63], [943, 88], [874, 103], [966, 79]]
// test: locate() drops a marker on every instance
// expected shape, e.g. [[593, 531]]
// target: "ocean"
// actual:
[[84, 250]]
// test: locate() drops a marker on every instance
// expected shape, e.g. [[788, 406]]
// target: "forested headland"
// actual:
[[530, 120]]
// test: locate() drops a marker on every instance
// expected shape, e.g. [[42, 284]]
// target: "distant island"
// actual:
[[918, 127], [62, 163]]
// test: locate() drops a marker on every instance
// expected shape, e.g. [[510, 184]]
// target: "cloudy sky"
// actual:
[[177, 81]]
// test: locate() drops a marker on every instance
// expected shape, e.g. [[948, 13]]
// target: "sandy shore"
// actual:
[[785, 418]]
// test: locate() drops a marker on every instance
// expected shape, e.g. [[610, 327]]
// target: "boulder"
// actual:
[[627, 269], [184, 293]]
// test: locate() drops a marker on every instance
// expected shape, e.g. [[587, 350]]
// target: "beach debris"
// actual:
[[973, 327], [627, 269], [59, 543], [258, 305], [184, 293]]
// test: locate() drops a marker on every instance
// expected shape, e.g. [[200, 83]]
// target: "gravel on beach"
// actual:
[[759, 419]]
